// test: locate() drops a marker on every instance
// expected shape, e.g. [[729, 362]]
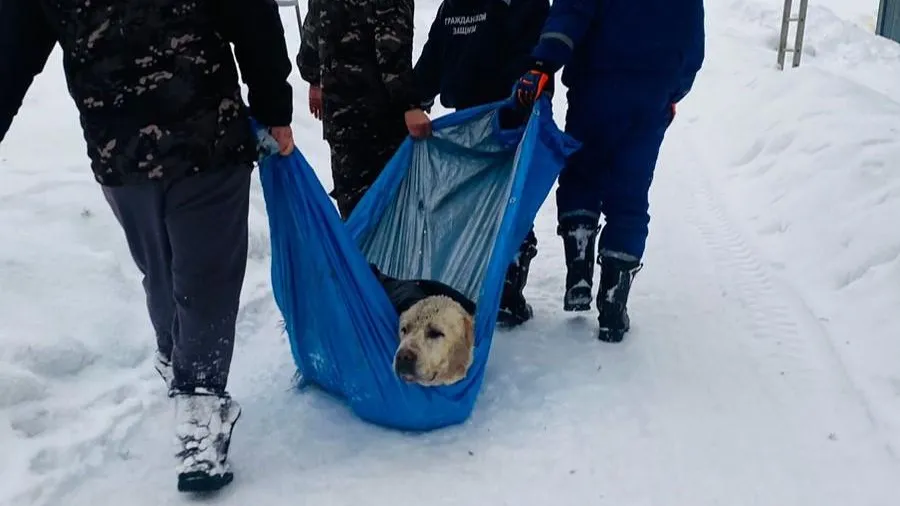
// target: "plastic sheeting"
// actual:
[[453, 207]]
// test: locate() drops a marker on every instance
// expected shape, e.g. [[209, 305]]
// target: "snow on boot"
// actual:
[[579, 236], [616, 277], [203, 424], [514, 309], [163, 366]]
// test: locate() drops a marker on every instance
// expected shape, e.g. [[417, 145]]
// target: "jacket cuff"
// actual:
[[309, 73], [427, 105], [412, 99], [274, 108], [550, 55], [311, 80]]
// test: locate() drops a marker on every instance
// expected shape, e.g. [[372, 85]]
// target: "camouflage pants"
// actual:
[[355, 165]]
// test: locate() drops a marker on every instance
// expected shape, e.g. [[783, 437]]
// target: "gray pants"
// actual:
[[189, 239]]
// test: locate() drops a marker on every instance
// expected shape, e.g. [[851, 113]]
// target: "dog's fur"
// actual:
[[439, 332], [436, 330]]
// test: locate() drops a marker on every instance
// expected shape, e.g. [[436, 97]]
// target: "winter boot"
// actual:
[[514, 309], [579, 236], [204, 421], [616, 277], [163, 366]]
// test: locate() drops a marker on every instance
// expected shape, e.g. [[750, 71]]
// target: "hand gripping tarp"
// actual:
[[453, 208]]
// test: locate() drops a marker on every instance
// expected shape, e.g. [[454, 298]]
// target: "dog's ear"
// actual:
[[402, 322], [461, 355]]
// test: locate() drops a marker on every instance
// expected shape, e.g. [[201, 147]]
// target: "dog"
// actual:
[[436, 333]]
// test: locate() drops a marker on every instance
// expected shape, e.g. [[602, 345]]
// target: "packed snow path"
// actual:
[[728, 391]]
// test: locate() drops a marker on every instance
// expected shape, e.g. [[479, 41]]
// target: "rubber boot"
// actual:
[[616, 278], [514, 309], [579, 235]]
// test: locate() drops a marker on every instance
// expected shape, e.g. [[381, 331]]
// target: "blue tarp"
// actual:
[[453, 207]]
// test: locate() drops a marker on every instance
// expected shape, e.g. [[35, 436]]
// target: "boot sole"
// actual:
[[202, 482], [509, 324], [508, 320], [612, 336], [576, 308]]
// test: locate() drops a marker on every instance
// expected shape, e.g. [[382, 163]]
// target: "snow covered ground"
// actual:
[[762, 368], [861, 12]]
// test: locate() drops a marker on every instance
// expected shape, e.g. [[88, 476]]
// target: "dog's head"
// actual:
[[437, 342]]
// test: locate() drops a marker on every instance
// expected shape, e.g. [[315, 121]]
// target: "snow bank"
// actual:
[[74, 335], [862, 12], [807, 159]]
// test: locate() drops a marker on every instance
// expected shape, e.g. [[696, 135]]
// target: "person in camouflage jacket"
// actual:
[[170, 142], [157, 89], [356, 56]]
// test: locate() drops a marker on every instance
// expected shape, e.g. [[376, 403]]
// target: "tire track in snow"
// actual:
[[769, 321], [792, 341]]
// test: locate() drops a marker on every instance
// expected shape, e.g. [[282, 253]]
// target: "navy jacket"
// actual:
[[661, 39], [477, 49]]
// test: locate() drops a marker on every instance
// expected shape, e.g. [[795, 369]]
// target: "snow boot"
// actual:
[[204, 421], [514, 309], [616, 277], [163, 366], [579, 236]]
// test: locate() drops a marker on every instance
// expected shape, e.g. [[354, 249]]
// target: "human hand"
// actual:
[[315, 101], [530, 87], [418, 123], [285, 138]]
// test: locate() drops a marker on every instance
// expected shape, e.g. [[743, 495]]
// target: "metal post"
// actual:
[[785, 27], [801, 27]]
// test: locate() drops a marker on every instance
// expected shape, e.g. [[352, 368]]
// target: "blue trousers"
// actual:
[[621, 122]]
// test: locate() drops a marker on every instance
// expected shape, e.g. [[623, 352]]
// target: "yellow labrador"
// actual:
[[436, 334]]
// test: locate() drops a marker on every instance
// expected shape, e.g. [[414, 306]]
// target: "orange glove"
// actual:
[[530, 87]]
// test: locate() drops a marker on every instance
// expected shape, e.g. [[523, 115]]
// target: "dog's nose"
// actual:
[[406, 363]]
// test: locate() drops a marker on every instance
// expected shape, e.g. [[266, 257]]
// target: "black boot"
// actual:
[[514, 310], [579, 236], [616, 277]]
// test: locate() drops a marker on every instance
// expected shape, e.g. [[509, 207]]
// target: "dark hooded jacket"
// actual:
[[154, 81], [477, 49]]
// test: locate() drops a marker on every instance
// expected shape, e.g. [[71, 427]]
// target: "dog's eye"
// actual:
[[403, 330], [434, 334]]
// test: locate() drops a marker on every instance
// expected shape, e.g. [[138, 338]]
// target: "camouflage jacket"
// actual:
[[154, 81], [360, 53]]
